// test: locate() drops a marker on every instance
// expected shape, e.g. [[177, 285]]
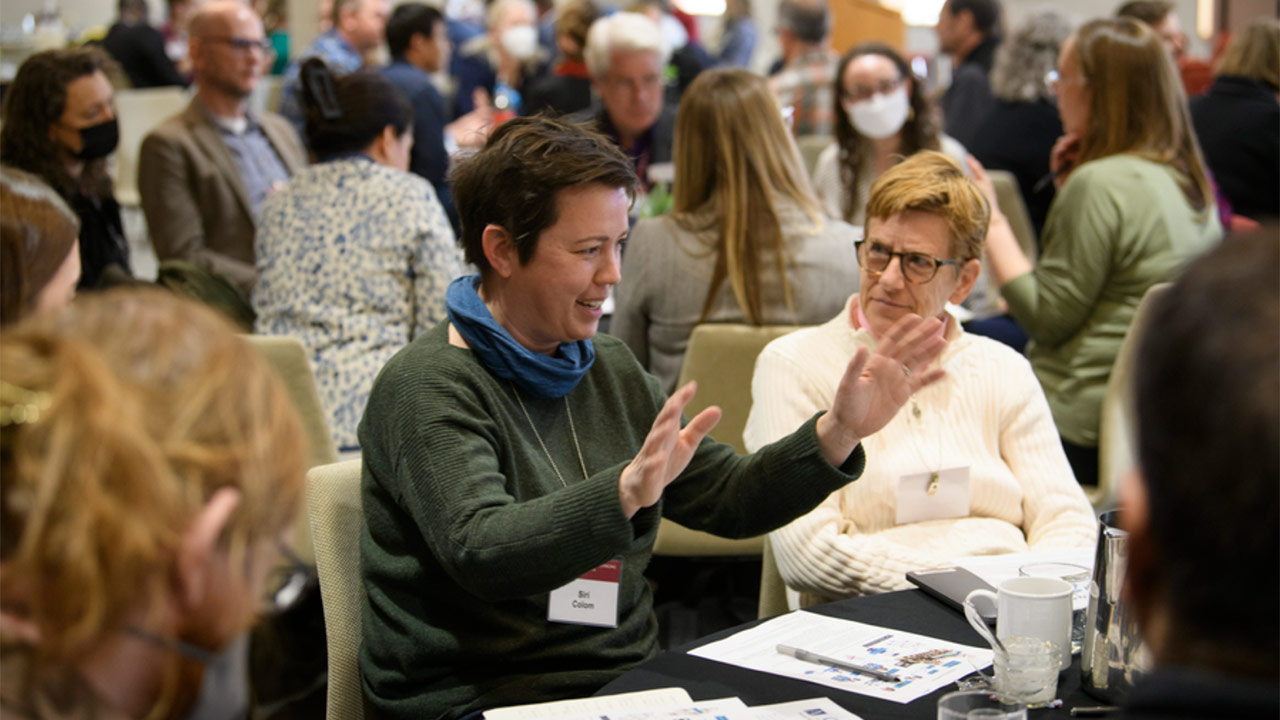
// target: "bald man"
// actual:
[[204, 172]]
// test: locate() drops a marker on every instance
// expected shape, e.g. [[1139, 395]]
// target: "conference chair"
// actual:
[[811, 147], [287, 356], [722, 358], [773, 590], [1116, 454], [1009, 198], [138, 110], [333, 504]]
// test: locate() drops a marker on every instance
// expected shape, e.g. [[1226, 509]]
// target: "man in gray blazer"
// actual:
[[203, 173]]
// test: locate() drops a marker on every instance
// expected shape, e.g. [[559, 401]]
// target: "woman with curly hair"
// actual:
[[882, 116], [150, 463], [60, 124]]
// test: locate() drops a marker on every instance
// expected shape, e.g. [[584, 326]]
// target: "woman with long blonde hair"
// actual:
[[745, 241], [150, 464], [1134, 205]]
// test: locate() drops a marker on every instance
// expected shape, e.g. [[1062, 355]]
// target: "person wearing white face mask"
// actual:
[[881, 117], [501, 62]]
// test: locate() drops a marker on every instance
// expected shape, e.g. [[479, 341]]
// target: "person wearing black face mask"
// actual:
[[60, 124]]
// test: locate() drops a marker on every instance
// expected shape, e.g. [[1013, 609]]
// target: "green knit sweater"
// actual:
[[469, 529]]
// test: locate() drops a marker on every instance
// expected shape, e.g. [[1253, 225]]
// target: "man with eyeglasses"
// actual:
[[203, 173], [970, 465], [625, 57]]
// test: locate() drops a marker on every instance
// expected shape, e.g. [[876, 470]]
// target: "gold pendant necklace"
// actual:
[[572, 430], [934, 476]]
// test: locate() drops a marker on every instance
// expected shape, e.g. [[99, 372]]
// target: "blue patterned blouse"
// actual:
[[353, 259]]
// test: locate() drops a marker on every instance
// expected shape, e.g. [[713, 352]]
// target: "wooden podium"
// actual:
[[859, 21]]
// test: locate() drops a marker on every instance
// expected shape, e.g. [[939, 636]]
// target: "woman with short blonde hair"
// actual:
[[150, 462], [1134, 205], [745, 241]]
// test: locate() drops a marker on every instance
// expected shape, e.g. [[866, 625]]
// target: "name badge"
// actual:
[[590, 600], [933, 495]]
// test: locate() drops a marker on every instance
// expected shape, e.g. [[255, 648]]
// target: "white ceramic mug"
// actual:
[[1038, 607]]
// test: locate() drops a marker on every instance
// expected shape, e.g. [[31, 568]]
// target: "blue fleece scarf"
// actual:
[[540, 375]]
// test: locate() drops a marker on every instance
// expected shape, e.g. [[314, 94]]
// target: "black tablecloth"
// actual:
[[908, 610]]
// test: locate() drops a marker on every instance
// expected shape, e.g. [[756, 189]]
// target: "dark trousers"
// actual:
[[1084, 462]]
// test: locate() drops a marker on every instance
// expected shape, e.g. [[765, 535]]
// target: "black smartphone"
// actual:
[[952, 585]]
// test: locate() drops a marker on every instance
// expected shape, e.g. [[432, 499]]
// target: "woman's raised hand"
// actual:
[[876, 385], [665, 453]]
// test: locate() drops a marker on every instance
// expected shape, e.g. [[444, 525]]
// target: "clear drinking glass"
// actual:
[[979, 705], [1080, 578], [1027, 670]]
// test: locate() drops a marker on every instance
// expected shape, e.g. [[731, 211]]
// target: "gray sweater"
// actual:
[[667, 270]]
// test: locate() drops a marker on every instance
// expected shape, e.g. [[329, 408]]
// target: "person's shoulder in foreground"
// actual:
[[1201, 577]]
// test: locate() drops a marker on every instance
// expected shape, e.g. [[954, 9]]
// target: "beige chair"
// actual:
[[333, 504], [138, 111], [1009, 197], [773, 590], [288, 358], [722, 358], [811, 146], [1116, 425]]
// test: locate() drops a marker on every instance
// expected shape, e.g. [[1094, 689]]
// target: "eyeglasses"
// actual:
[[864, 92], [918, 268], [287, 583], [243, 45], [1053, 81]]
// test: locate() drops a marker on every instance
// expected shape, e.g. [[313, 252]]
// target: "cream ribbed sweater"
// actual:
[[989, 414]]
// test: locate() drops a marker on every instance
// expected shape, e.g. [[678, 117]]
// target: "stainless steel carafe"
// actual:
[[1114, 656]]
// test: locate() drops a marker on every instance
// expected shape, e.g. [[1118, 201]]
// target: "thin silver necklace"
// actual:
[[919, 448], [572, 430]]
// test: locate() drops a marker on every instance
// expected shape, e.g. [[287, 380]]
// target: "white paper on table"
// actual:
[[995, 569], [922, 663], [819, 708], [723, 709], [589, 707]]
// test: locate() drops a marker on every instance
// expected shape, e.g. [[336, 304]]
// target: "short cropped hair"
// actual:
[[515, 180], [622, 32], [1151, 12], [37, 233], [346, 114], [933, 183], [407, 20], [987, 15], [1208, 442], [1254, 53], [808, 20]]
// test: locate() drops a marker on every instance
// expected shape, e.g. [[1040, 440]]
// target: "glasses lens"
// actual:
[[919, 268], [874, 256]]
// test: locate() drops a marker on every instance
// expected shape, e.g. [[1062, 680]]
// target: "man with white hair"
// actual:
[[625, 57], [358, 28], [203, 173]]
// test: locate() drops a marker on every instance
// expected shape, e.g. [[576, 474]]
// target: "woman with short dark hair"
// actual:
[[354, 253], [514, 459]]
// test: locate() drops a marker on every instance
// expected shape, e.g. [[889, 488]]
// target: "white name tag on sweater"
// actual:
[[591, 599], [933, 495]]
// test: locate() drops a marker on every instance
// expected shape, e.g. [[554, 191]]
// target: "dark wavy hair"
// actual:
[[920, 132], [347, 113], [34, 101], [514, 181]]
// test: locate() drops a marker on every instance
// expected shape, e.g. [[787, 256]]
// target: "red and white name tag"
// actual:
[[591, 599]]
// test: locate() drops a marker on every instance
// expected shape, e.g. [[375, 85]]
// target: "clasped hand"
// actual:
[[874, 387]]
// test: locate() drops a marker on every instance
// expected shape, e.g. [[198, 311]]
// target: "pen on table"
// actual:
[[817, 659], [1094, 711]]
